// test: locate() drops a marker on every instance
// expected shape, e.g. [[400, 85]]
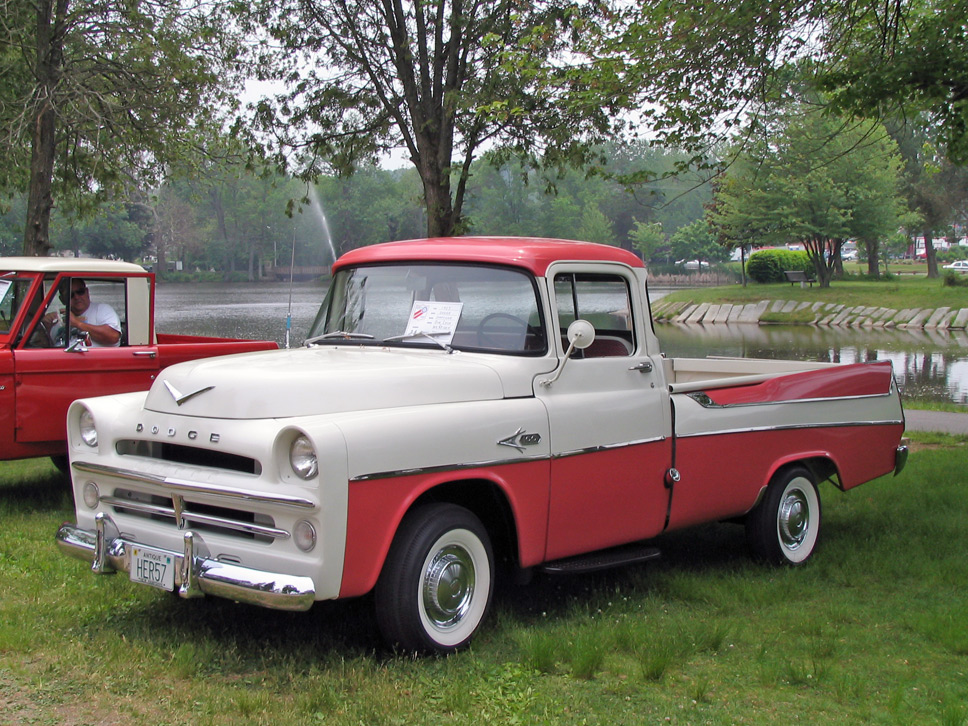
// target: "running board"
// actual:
[[602, 560]]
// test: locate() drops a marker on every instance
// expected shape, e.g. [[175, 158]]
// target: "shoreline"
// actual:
[[791, 312]]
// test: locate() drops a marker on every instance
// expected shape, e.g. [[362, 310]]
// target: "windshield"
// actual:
[[464, 307], [13, 293]]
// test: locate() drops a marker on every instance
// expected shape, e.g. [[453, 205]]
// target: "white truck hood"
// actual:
[[310, 381]]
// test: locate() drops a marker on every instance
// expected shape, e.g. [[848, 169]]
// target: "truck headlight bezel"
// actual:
[[302, 458]]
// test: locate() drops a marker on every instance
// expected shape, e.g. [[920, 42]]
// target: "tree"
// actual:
[[697, 241], [902, 59], [936, 189], [97, 96], [647, 238], [114, 232], [818, 181], [441, 79]]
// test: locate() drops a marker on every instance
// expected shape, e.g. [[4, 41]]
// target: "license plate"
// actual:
[[152, 567]]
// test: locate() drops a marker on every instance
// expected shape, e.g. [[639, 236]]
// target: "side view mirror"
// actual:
[[581, 334]]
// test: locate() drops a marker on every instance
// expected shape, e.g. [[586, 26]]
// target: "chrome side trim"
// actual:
[[760, 429], [445, 467], [607, 447], [196, 573], [181, 485], [500, 462], [703, 399]]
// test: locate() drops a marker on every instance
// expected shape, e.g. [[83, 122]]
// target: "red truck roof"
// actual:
[[532, 253]]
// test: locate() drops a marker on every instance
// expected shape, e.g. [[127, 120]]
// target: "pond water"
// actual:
[[930, 365]]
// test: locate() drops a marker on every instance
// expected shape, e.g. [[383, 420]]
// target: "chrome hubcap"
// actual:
[[794, 519], [448, 586]]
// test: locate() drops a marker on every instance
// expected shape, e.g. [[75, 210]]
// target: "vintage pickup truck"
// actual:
[[462, 409], [42, 371]]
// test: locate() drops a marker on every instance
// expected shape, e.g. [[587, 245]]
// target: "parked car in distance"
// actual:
[[44, 365], [957, 266]]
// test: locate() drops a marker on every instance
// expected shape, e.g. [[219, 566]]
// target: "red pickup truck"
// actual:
[[44, 365]]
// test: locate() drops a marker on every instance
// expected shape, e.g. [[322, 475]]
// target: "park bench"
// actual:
[[800, 276]]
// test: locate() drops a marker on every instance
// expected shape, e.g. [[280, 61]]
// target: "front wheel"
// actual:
[[783, 528], [437, 582]]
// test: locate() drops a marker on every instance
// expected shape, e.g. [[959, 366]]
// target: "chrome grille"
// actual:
[[187, 514], [191, 455]]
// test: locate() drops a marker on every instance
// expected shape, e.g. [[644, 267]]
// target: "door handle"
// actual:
[[145, 353], [643, 367]]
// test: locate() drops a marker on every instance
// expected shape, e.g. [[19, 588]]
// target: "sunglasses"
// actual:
[[78, 293]]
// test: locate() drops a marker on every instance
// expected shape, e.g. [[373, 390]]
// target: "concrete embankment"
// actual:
[[817, 313]]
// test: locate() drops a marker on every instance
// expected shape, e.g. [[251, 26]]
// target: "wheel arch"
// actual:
[[369, 542], [820, 464]]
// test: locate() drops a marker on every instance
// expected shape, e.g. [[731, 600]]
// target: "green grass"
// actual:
[[872, 630], [898, 293]]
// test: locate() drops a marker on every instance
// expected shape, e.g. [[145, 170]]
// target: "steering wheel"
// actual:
[[500, 336]]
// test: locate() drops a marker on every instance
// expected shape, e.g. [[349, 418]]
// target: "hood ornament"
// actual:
[[179, 398]]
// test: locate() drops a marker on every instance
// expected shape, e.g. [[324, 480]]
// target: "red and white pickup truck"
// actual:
[[42, 370], [462, 408]]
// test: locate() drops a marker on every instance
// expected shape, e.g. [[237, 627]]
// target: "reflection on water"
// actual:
[[929, 364]]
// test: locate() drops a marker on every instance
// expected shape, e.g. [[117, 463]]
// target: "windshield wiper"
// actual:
[[432, 337], [337, 335]]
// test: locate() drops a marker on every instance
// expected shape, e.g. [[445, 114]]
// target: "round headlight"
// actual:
[[87, 428], [305, 535], [91, 495], [302, 458]]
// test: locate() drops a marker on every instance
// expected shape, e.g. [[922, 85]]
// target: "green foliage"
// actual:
[[696, 241], [813, 179], [953, 279], [93, 95], [901, 59], [647, 238], [769, 265], [721, 635]]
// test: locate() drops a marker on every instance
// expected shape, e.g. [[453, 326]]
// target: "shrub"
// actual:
[[769, 265], [953, 279]]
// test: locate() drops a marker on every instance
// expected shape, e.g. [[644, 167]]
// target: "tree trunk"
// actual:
[[929, 253], [48, 69], [440, 212], [873, 250]]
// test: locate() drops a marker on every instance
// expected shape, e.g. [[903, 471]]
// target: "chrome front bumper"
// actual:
[[196, 573]]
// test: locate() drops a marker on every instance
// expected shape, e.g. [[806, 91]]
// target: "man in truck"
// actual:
[[97, 321]]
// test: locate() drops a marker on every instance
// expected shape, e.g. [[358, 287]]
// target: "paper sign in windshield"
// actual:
[[4, 287], [437, 319]]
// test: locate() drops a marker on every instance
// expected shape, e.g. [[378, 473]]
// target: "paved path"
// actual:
[[948, 423]]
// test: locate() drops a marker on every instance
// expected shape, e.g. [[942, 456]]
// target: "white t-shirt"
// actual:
[[102, 314]]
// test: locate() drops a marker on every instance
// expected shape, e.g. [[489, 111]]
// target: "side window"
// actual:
[[97, 301], [602, 300]]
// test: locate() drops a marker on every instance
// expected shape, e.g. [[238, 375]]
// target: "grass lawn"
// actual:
[[898, 293], [872, 630]]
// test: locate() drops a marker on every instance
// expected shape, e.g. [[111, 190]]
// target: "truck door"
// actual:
[[52, 374], [610, 419]]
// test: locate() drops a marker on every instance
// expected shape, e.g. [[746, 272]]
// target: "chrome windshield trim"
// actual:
[[180, 485]]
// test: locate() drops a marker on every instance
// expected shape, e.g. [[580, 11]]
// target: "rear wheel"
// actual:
[[437, 582], [784, 527]]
